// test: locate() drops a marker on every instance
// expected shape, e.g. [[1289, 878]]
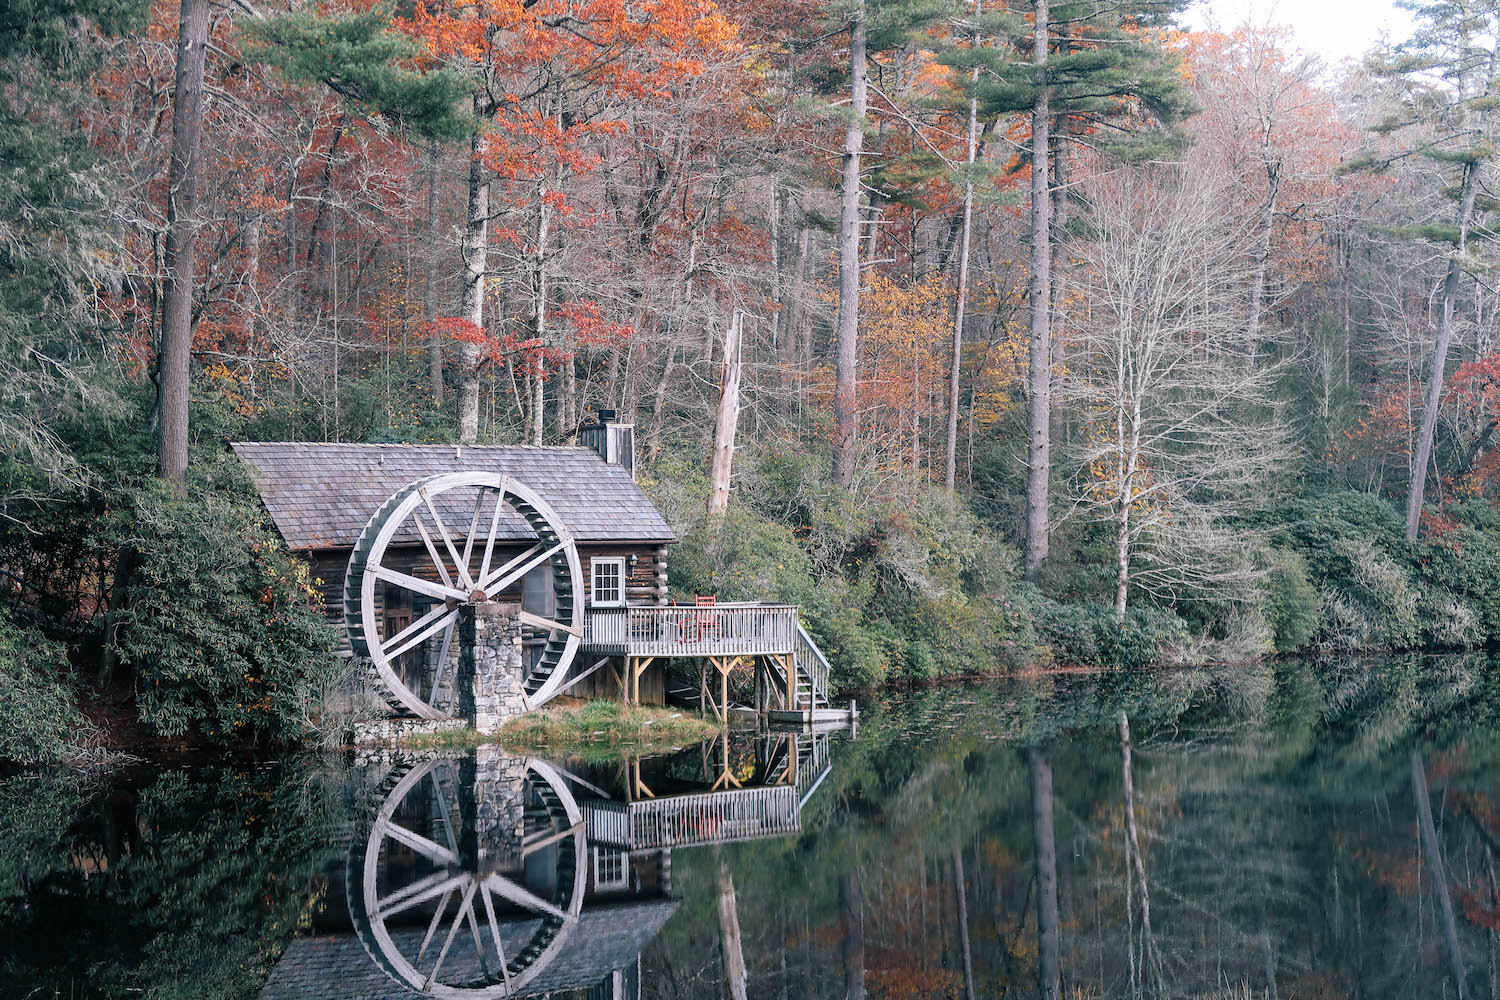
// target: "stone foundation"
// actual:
[[387, 732], [497, 675]]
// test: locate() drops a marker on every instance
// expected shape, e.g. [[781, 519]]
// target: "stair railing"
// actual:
[[811, 662]]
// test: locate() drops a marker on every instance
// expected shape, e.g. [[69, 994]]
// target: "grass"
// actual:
[[582, 730], [574, 729]]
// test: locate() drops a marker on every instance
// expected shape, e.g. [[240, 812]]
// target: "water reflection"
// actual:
[[1302, 830]]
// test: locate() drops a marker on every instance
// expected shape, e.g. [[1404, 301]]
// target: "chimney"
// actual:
[[615, 442]]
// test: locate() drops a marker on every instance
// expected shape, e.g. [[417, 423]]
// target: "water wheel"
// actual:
[[410, 555], [470, 878]]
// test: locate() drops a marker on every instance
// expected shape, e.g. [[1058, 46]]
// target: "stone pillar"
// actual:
[[499, 808], [492, 683]]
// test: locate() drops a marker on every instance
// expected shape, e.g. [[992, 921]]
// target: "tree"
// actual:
[[1449, 75], [1109, 67], [174, 365], [1181, 437], [846, 391]]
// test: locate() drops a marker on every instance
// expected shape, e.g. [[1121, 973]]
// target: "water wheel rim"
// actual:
[[367, 571], [370, 918]]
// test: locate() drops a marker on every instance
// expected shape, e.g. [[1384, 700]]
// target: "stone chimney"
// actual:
[[614, 441]]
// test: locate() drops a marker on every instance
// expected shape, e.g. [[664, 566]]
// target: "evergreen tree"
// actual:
[[1444, 102]]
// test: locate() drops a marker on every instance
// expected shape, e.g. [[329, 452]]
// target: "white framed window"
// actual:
[[607, 581], [611, 870]]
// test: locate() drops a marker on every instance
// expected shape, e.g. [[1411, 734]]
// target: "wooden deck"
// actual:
[[688, 631]]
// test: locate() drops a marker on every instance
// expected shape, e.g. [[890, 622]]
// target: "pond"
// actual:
[[1270, 831]]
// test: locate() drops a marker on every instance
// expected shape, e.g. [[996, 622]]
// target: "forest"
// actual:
[[993, 334]]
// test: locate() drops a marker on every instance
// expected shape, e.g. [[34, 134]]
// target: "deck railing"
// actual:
[[676, 630], [814, 665], [705, 818]]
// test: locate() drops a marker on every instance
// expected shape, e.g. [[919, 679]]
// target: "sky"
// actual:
[[1333, 29]]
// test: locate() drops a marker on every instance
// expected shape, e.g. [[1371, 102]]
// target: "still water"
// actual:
[[1277, 831]]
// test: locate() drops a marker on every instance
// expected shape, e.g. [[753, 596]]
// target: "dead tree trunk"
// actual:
[[174, 364], [730, 947], [951, 468], [722, 463], [1039, 411], [1134, 863], [476, 263], [846, 392], [1049, 947], [434, 339], [852, 936], [961, 905], [1439, 873]]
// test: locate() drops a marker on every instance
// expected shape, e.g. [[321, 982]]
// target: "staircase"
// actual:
[[812, 672]]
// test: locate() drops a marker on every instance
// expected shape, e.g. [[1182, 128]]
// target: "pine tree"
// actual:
[[1445, 76]]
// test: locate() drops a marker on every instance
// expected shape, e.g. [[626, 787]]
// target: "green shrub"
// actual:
[[220, 624], [1091, 634], [39, 717], [1294, 609]]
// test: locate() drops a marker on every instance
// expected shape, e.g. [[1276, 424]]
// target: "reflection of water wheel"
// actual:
[[471, 877], [451, 572]]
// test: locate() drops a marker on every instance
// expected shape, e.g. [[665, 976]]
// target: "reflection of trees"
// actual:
[[184, 886], [1279, 847]]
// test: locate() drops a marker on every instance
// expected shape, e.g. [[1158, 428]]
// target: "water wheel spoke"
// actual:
[[459, 564], [405, 899], [489, 914], [442, 801], [506, 575], [432, 552], [427, 848], [447, 616], [522, 897], [436, 922], [442, 661], [417, 584], [403, 638], [486, 577], [548, 839], [474, 528], [452, 933], [548, 623], [489, 541], [472, 920]]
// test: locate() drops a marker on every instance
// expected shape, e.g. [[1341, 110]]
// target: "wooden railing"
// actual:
[[685, 820], [814, 665], [676, 630]]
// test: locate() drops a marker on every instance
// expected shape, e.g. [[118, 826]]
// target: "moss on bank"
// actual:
[[574, 730]]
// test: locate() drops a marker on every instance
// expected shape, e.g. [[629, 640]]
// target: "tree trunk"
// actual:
[[174, 363], [730, 947], [852, 935], [434, 339], [1445, 336], [476, 263], [1263, 255], [543, 230], [1039, 414], [1049, 947], [961, 906], [1135, 864], [951, 469], [845, 400], [722, 463], [1438, 871]]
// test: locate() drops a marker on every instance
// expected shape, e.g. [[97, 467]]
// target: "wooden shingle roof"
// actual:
[[320, 495]]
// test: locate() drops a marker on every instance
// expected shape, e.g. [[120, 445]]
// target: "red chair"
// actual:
[[697, 627]]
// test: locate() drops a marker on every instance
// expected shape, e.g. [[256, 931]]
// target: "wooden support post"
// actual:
[[724, 687], [702, 689]]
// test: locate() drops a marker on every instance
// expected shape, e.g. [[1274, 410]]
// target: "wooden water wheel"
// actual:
[[410, 555], [443, 912]]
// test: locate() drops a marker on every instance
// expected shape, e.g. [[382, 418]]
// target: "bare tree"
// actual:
[[1039, 412], [845, 400], [1182, 434]]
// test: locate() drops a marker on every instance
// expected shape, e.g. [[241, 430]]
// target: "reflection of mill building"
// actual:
[[487, 876]]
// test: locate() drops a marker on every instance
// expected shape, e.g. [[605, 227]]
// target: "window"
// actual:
[[611, 870], [608, 582]]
